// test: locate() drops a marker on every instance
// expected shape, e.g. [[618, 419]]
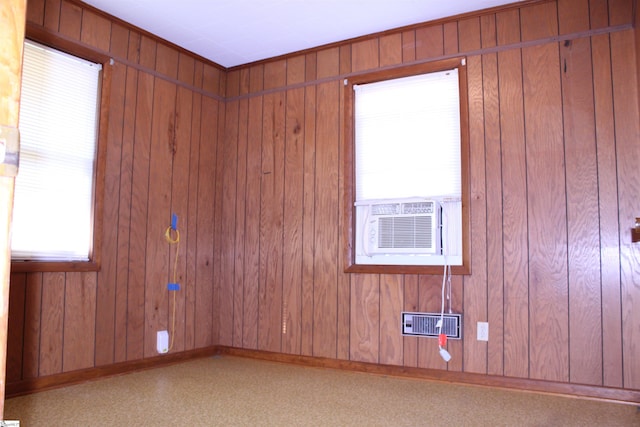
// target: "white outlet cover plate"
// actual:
[[483, 331], [162, 343]]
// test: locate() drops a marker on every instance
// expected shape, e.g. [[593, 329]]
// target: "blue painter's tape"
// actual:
[[174, 221], [173, 286]]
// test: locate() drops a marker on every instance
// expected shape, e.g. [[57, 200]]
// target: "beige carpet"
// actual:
[[232, 391]]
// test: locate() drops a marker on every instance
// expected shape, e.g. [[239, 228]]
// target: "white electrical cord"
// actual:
[[446, 279]]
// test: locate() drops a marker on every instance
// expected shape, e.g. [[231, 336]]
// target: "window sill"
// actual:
[[406, 269], [57, 266]]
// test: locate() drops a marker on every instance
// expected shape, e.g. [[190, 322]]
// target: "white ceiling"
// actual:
[[236, 32]]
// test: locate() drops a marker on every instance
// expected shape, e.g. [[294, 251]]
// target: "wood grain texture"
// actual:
[[582, 211], [391, 304], [365, 55], [271, 213], [365, 315], [16, 323], [475, 303], [52, 324], [252, 233], [326, 217], [241, 220], [293, 220], [547, 210], [628, 155], [181, 148], [78, 350], [429, 42], [514, 215], [257, 181], [228, 224], [608, 211], [308, 221]]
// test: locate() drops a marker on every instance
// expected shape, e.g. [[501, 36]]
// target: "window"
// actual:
[[55, 187], [407, 205]]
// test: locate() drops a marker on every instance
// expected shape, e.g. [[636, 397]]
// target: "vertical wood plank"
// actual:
[[159, 212], [241, 218], [70, 19], [35, 11], [271, 217], [107, 276], [16, 327], [51, 326], [450, 33], [205, 243], [328, 63], [573, 16], [625, 96], [180, 203], [32, 326], [365, 318], [326, 216], [409, 46], [123, 84], [365, 55], [252, 236], [124, 219], [514, 195], [228, 220], [79, 321], [608, 212], [429, 42], [475, 299], [391, 305], [191, 275], [391, 49], [293, 221], [139, 208], [96, 30], [52, 14], [308, 220], [620, 12], [539, 21], [494, 197], [343, 279], [546, 199], [582, 213]]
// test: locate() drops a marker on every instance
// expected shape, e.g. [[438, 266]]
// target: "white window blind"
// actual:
[[407, 137], [53, 205]]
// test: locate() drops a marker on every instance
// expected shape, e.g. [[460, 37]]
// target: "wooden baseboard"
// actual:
[[517, 384], [48, 382]]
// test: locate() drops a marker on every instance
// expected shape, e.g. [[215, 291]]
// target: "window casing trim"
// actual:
[[349, 216], [81, 51]]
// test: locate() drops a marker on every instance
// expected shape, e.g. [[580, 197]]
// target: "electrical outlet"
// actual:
[[483, 331], [162, 342]]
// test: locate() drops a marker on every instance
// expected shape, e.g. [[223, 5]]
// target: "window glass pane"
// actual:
[[53, 203], [408, 137]]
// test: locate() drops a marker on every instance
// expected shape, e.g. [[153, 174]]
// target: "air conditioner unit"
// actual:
[[405, 226]]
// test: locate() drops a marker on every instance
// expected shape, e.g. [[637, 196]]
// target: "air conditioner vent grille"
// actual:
[[405, 232]]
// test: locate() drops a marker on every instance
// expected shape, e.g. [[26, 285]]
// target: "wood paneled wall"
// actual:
[[166, 116], [251, 160], [554, 137]]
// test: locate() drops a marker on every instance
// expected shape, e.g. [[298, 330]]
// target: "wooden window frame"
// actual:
[[349, 214], [83, 51]]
